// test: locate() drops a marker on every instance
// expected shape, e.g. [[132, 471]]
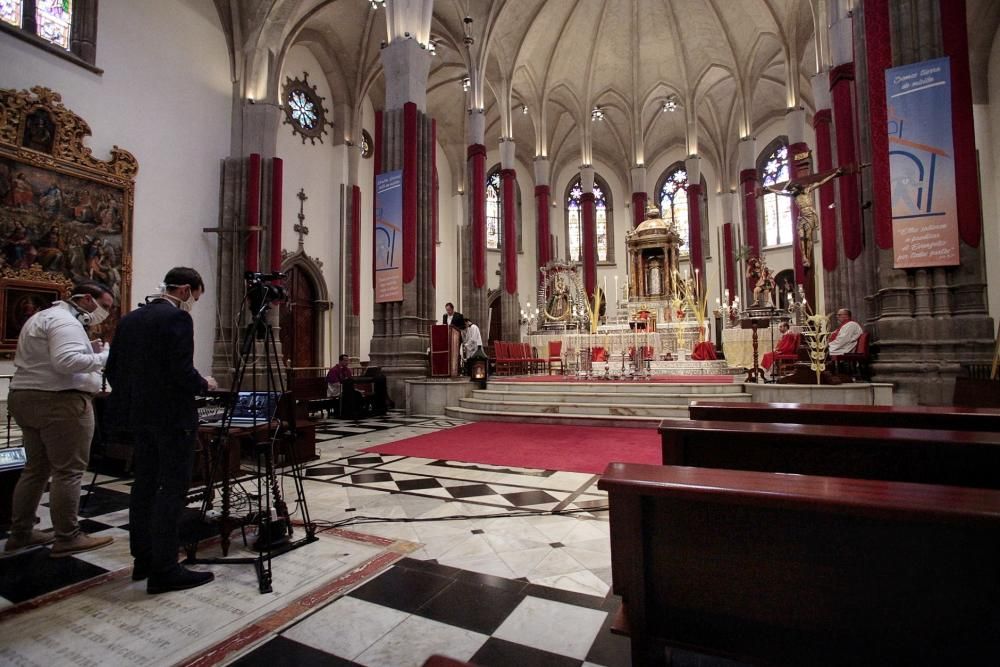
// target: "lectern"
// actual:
[[445, 346]]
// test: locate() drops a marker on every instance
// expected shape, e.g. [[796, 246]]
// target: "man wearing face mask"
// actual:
[[57, 372], [153, 388]]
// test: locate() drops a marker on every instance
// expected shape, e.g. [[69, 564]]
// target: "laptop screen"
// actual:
[[256, 405]]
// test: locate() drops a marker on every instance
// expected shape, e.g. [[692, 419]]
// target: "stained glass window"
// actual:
[[303, 109], [674, 204], [574, 222], [778, 224], [493, 210], [10, 12], [53, 18]]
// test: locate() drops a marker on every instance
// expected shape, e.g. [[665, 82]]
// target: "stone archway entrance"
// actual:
[[301, 320]]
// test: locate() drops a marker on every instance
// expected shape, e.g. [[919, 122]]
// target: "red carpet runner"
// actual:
[[546, 446], [669, 379]]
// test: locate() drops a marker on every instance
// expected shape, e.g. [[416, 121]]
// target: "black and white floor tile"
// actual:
[[513, 565]]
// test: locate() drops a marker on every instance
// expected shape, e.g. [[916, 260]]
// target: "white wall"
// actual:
[[165, 96], [319, 169]]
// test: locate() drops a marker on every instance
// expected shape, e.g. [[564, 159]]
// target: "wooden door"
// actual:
[[300, 320]]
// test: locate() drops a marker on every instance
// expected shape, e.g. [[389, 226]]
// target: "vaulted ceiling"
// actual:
[[733, 66]]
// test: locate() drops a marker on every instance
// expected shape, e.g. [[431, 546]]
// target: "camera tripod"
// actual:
[[265, 507]]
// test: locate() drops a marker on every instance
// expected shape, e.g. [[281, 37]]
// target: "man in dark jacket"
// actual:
[[154, 384]]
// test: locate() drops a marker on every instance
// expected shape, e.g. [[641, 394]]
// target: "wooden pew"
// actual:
[[927, 456], [952, 418], [802, 570]]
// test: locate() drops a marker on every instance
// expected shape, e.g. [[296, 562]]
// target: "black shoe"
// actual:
[[178, 579], [140, 570]]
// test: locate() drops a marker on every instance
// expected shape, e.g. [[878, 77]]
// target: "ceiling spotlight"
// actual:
[[467, 29], [597, 114], [670, 104], [524, 109], [466, 84], [432, 47], [376, 3]]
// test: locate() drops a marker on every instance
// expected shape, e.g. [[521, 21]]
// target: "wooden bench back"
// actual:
[[952, 418], [800, 570], [929, 456]]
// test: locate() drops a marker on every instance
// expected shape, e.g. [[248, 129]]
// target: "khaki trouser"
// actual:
[[58, 427]]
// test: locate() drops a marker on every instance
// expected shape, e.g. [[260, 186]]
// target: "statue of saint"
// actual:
[[802, 190], [558, 306], [655, 279], [763, 291]]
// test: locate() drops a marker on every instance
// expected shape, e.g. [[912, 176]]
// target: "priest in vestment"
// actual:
[[787, 344], [845, 338]]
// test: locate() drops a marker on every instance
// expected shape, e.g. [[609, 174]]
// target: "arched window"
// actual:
[[493, 210], [673, 200], [602, 219], [773, 169], [64, 27]]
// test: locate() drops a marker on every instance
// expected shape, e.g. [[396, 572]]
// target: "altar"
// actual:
[[737, 344]]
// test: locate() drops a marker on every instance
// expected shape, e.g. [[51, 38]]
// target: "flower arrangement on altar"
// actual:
[[697, 302], [817, 334]]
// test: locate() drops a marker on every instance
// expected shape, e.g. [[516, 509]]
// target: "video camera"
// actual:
[[262, 290]]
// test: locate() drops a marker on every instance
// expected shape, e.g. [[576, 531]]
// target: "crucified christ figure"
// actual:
[[802, 190]]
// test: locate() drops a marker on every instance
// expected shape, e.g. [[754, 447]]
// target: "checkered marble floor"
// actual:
[[513, 565]]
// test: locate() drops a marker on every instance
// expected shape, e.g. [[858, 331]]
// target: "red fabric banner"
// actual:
[[542, 215], [694, 229], [508, 183], [253, 213], [434, 203], [639, 200], [729, 259], [411, 141], [842, 89], [824, 162], [955, 40], [477, 201], [878, 47], [376, 170], [277, 186], [356, 250], [748, 177], [589, 248]]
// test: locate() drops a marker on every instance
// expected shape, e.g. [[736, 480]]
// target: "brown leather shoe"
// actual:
[[36, 539], [82, 542]]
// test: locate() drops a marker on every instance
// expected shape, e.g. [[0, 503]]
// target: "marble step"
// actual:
[[611, 398], [611, 387], [622, 421], [658, 410]]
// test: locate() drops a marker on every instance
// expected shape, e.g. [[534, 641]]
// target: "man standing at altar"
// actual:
[[845, 338], [787, 344], [449, 313]]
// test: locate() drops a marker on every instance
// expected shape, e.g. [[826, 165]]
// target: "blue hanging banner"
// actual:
[[388, 237]]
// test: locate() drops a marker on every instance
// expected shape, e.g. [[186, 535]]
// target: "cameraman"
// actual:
[[154, 382]]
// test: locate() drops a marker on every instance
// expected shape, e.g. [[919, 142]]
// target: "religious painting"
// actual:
[[62, 211], [24, 293]]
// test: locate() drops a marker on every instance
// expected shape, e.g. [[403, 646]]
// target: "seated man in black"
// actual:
[[355, 392]]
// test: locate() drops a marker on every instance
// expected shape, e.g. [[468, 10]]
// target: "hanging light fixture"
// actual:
[[467, 29], [597, 114], [466, 84], [376, 3], [524, 109], [670, 104]]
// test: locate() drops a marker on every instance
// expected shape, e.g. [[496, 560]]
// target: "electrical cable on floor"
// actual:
[[360, 520]]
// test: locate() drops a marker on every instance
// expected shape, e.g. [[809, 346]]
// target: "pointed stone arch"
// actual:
[[303, 323]]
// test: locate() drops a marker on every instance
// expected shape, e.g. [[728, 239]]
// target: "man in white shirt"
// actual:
[[845, 338], [57, 372]]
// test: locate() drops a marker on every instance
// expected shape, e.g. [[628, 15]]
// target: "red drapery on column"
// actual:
[[356, 249], [376, 170], [508, 182], [542, 215], [842, 90], [477, 201], [410, 194], [277, 185], [694, 229], [253, 212], [748, 177], [589, 220], [434, 202], [878, 47], [730, 260], [799, 168], [955, 40], [639, 200], [824, 162]]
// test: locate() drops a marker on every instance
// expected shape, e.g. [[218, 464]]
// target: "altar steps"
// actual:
[[642, 405]]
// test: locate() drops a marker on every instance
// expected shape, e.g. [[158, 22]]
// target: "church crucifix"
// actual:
[[301, 228]]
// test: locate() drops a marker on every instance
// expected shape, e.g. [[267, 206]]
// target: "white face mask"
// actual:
[[99, 315], [187, 304], [91, 319]]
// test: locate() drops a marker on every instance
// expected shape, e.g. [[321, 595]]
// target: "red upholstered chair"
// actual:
[[780, 360], [555, 355], [856, 363], [598, 353]]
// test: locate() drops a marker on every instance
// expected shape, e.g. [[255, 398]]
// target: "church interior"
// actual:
[[657, 218]]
